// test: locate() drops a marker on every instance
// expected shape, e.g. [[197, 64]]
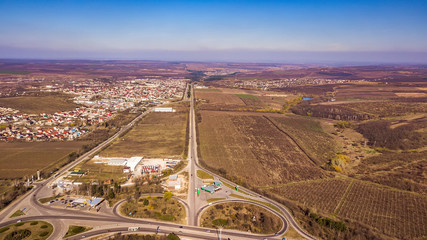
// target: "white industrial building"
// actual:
[[117, 161], [133, 162], [174, 182], [164, 109]]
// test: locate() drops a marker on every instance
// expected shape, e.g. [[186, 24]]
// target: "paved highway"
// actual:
[[192, 155], [195, 164], [99, 147], [104, 221]]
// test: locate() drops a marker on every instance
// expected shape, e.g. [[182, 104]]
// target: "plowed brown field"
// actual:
[[249, 146]]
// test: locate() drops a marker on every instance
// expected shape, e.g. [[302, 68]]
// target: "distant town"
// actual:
[[99, 103]]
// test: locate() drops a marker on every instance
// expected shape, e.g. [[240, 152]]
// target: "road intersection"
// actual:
[[111, 221]]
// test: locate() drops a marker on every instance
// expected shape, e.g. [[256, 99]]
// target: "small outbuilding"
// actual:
[[210, 189]]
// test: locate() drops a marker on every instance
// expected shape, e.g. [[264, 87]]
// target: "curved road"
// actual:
[[280, 232], [195, 162], [49, 213]]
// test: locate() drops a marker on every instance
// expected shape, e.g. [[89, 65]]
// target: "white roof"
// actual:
[[132, 162], [134, 159], [80, 200], [117, 161], [174, 183]]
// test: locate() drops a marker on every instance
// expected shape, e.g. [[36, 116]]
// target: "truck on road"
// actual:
[[133, 229]]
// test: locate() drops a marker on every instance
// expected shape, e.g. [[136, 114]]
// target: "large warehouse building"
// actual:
[[164, 109], [133, 162]]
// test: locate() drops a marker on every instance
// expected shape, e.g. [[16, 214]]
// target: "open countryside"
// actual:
[[213, 120], [24, 159], [242, 141], [156, 135]]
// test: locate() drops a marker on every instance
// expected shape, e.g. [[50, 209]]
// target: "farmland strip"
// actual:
[[299, 146], [343, 197]]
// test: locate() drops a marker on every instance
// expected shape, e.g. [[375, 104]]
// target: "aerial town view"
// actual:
[[168, 120]]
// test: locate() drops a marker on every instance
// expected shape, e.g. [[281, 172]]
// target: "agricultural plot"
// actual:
[[364, 92], [396, 213], [363, 109], [242, 100], [403, 135], [251, 101], [324, 195], [390, 109], [241, 216], [99, 172], [215, 100], [309, 135], [156, 135], [48, 103], [21, 159], [406, 171], [249, 147], [276, 100], [379, 91]]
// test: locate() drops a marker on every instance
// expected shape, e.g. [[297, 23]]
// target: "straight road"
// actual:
[[195, 164], [55, 215], [99, 147], [192, 154]]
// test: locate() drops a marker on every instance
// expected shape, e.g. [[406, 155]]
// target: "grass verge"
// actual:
[[27, 230], [74, 230], [292, 234], [260, 202], [241, 216], [17, 214], [204, 175], [48, 199], [160, 208], [214, 199], [240, 191]]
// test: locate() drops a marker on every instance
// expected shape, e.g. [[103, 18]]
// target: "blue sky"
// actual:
[[379, 31]]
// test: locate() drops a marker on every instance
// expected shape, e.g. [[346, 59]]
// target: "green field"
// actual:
[[159, 208], [99, 172], [247, 96], [47, 199], [204, 175], [156, 135], [19, 159], [208, 89], [47, 103], [27, 230], [17, 214], [13, 72], [241, 216], [74, 230], [309, 135]]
